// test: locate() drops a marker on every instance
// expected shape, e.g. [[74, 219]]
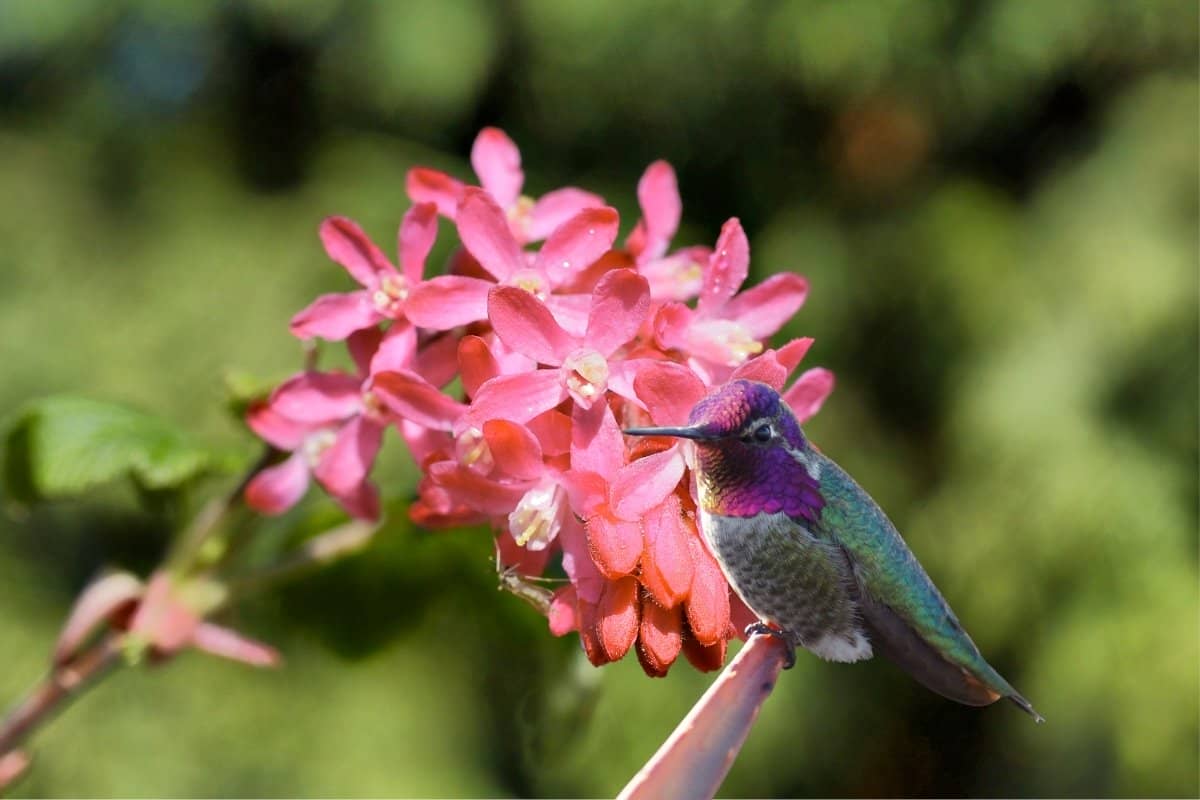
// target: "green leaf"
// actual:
[[62, 446]]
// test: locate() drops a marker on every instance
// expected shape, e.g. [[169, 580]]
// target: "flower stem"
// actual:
[[329, 546], [695, 758], [207, 522], [63, 684]]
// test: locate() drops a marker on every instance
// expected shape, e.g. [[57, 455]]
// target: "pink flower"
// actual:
[[497, 162], [166, 616], [581, 368], [556, 348], [385, 290], [726, 328], [572, 247], [332, 425], [677, 276]]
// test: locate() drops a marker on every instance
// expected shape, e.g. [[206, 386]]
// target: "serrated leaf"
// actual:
[[64, 445]]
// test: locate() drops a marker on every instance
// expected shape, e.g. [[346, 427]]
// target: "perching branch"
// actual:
[[59, 687], [695, 758]]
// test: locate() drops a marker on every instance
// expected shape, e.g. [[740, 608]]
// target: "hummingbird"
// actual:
[[813, 556]]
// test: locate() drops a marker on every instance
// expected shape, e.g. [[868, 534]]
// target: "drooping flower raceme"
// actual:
[[556, 349]]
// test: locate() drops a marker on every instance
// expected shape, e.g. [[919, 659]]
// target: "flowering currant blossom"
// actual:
[[556, 348], [497, 162], [677, 276], [385, 290]]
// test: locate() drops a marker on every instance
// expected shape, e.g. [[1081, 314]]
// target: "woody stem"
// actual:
[[64, 683]]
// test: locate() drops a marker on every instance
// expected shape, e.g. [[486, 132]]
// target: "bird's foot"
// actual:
[[764, 629]]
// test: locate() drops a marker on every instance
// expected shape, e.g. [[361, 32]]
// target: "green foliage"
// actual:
[[996, 206], [64, 446]]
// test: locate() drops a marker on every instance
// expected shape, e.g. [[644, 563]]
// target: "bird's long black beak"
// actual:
[[694, 432]]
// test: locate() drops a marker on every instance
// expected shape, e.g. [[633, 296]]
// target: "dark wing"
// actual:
[[906, 616]]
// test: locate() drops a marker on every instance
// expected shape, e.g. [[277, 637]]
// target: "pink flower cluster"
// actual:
[[557, 348]]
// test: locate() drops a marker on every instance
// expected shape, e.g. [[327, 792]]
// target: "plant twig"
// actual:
[[329, 546], [63, 684], [695, 758], [206, 523]]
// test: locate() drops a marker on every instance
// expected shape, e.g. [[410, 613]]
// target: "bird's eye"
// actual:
[[762, 433]]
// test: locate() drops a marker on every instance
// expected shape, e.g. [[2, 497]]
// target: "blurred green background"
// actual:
[[995, 202]]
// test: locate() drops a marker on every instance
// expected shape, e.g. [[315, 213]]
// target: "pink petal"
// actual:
[[586, 491], [596, 442], [484, 231], [396, 350], [553, 431], [276, 489], [669, 391], [708, 598], [658, 196], [474, 490], [727, 268], [620, 303], [554, 208], [162, 618], [808, 393], [510, 361], [318, 397], [362, 502], [615, 544], [516, 452], [346, 244], [345, 464], [437, 360], [103, 600], [642, 484], [577, 243], [660, 637], [363, 345], [519, 397], [218, 641], [276, 429], [764, 368], [679, 276], [525, 324], [763, 309], [617, 623], [667, 559], [418, 229], [411, 397], [570, 311], [562, 616], [476, 363], [431, 186], [621, 376], [577, 562], [424, 444], [447, 301], [335, 316], [794, 351], [671, 325], [497, 162]]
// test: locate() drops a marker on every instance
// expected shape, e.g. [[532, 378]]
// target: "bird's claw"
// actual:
[[763, 628]]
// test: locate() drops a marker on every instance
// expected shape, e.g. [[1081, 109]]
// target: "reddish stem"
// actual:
[[695, 758], [61, 685]]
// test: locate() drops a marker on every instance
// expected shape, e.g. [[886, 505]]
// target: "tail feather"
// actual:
[[892, 636], [1023, 704]]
